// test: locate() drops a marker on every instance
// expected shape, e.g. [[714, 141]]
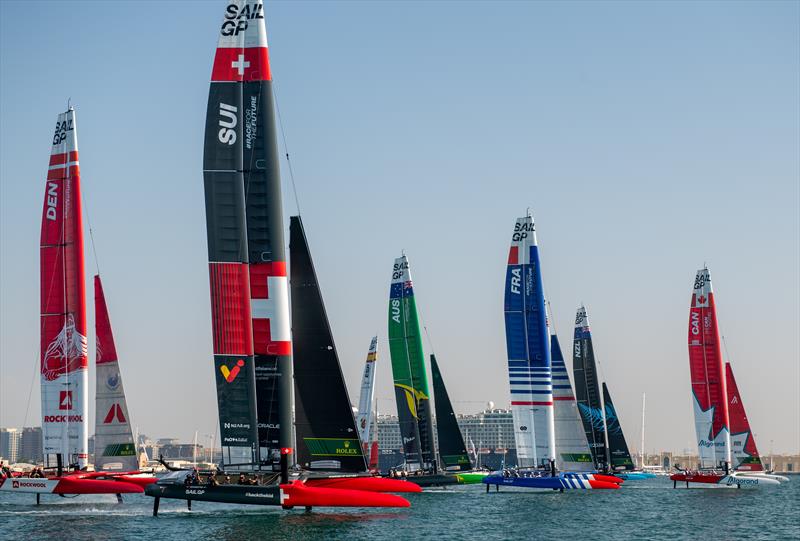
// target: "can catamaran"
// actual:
[[64, 348], [530, 371], [717, 404], [252, 333]]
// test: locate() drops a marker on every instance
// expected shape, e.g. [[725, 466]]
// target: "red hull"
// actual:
[[298, 494], [709, 478], [367, 484], [133, 477], [607, 478]]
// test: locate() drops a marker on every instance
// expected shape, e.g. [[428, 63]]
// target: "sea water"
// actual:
[[646, 509]]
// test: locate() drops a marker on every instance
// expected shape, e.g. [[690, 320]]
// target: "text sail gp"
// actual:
[[247, 261]]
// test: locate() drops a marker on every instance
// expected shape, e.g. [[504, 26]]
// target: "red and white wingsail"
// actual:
[[64, 359], [743, 442], [364, 417], [708, 376], [113, 437]]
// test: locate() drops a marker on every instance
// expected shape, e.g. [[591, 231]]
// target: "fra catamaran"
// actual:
[[253, 336], [530, 369], [64, 349], [728, 454]]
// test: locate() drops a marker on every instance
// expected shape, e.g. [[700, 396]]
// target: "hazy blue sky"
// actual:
[[647, 138]]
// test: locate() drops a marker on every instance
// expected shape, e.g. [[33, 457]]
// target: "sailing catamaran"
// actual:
[[367, 429], [64, 348], [718, 406], [600, 419], [252, 332], [530, 370]]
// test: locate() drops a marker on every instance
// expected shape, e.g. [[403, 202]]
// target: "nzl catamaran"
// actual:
[[531, 370], [728, 454], [260, 380]]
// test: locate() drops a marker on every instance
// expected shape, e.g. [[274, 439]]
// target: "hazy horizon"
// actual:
[[648, 139]]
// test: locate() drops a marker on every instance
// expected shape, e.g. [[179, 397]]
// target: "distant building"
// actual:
[[9, 444], [30, 448]]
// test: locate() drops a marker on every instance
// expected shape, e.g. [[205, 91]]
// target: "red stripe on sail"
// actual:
[[64, 157], [513, 255], [230, 308], [241, 64], [563, 398], [106, 350]]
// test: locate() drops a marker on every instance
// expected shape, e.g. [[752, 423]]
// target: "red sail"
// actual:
[[106, 350], [64, 359], [707, 375], [743, 443]]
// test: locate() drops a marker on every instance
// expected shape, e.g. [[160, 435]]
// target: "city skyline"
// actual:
[[647, 139]]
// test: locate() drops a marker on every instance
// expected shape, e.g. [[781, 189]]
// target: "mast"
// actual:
[[114, 442], [641, 461], [247, 263], [528, 349], [408, 370], [364, 419], [64, 348], [327, 438], [587, 391], [452, 450], [707, 373]]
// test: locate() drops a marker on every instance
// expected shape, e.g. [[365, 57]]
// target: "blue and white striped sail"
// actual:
[[528, 346]]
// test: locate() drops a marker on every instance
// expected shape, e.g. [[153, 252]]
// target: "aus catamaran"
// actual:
[[530, 369], [728, 454], [64, 350], [259, 383]]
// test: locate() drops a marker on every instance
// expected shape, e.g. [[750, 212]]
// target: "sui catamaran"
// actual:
[[728, 454], [366, 419], [530, 369], [64, 348], [253, 336], [600, 419]]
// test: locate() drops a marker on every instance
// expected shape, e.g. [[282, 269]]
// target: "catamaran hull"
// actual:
[[738, 480], [636, 475], [289, 495], [560, 482], [68, 485], [368, 484]]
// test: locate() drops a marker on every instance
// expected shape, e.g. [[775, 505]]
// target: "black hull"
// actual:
[[244, 494]]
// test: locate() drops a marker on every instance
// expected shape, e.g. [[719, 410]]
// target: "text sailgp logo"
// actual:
[[230, 373]]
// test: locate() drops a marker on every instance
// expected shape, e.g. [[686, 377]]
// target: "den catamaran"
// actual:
[[366, 420], [252, 333], [728, 454], [452, 465], [600, 419], [64, 348], [530, 371]]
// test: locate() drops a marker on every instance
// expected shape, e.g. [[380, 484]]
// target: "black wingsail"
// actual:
[[587, 389], [326, 430], [617, 447], [452, 451]]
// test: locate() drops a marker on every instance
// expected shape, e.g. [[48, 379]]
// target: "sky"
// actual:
[[646, 138]]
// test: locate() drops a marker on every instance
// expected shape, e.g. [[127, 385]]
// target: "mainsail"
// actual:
[[114, 447], [743, 443], [452, 451], [364, 418], [528, 348], [587, 390], [326, 431], [573, 452], [617, 446], [408, 370], [247, 263], [64, 360], [708, 376]]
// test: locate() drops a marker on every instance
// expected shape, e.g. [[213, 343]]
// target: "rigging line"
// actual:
[[89, 223], [286, 147], [30, 393]]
